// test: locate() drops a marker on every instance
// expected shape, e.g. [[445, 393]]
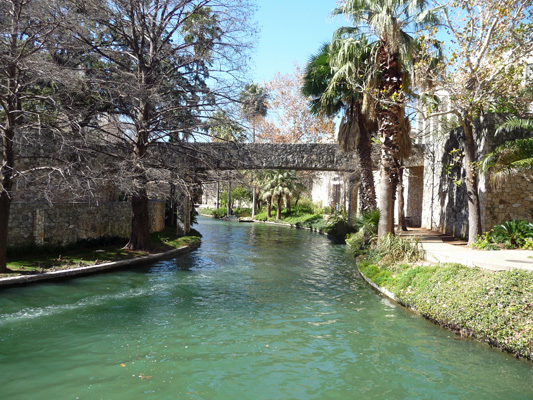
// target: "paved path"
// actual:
[[442, 248]]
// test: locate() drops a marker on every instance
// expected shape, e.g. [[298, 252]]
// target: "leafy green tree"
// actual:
[[333, 80], [387, 21], [254, 104], [278, 185], [224, 129], [484, 71]]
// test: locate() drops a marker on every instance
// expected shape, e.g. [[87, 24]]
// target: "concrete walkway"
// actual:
[[443, 248]]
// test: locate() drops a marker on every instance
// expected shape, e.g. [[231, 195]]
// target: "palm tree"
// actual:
[[253, 105], [331, 80], [387, 21], [278, 185], [514, 155]]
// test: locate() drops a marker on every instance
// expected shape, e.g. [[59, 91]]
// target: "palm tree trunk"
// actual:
[[389, 133], [218, 195], [228, 205], [254, 199], [278, 211], [269, 207], [367, 190]]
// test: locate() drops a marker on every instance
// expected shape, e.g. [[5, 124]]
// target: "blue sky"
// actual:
[[290, 31]]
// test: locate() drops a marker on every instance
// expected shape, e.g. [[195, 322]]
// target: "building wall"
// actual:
[[61, 224], [414, 188], [445, 200]]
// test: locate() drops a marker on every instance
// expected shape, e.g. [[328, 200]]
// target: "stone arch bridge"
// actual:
[[203, 157], [246, 156]]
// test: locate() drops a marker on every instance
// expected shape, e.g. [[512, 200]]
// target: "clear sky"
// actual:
[[290, 31]]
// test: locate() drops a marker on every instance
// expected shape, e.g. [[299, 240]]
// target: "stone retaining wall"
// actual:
[[510, 199], [61, 224]]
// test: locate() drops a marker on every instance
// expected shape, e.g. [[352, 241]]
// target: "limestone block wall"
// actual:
[[61, 224], [510, 199]]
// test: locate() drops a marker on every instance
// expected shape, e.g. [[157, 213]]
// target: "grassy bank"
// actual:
[[493, 307], [37, 259]]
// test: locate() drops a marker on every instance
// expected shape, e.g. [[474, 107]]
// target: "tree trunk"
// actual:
[[367, 189], [6, 183], [278, 211], [474, 208], [269, 207], [140, 223], [5, 205], [254, 199], [288, 200], [218, 195], [228, 206], [385, 204], [389, 115]]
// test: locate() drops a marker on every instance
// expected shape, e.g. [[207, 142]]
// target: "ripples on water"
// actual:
[[258, 312]]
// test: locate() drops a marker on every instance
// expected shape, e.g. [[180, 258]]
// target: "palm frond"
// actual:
[[515, 124], [512, 157]]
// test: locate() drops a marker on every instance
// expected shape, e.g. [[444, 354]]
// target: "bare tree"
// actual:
[[24, 28], [162, 67]]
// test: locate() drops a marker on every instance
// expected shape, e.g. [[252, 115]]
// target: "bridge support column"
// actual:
[[352, 199], [183, 218]]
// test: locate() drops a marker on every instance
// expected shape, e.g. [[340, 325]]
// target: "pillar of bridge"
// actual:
[[352, 198], [183, 217]]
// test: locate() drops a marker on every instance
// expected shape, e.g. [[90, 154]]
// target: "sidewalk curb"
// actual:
[[92, 269]]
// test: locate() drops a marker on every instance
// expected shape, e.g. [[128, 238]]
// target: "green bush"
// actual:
[[242, 212], [484, 242], [219, 212], [514, 232]]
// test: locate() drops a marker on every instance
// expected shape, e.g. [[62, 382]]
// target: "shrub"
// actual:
[[399, 249], [528, 244], [484, 242], [219, 212], [514, 232]]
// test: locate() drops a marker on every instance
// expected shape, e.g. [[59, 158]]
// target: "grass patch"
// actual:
[[36, 259], [494, 307]]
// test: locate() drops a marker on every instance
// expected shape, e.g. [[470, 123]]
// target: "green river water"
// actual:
[[257, 312]]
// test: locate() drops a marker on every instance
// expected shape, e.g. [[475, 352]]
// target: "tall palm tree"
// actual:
[[388, 21], [514, 155], [253, 105], [333, 80]]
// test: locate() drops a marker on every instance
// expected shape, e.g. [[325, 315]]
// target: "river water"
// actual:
[[257, 312]]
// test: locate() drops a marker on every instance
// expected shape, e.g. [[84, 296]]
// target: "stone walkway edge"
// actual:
[[91, 269]]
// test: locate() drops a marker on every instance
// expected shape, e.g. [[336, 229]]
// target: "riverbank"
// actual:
[[59, 263], [334, 227], [495, 307]]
